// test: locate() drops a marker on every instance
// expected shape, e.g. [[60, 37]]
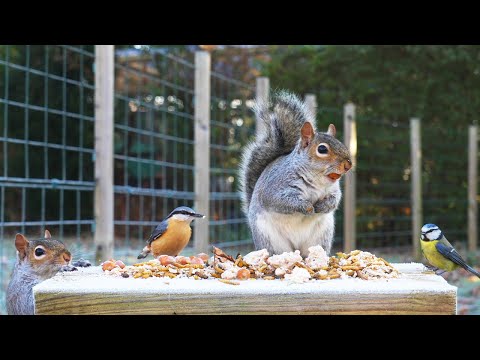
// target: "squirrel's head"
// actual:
[[43, 256], [329, 157]]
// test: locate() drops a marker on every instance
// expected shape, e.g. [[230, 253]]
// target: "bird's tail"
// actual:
[[472, 270], [144, 253]]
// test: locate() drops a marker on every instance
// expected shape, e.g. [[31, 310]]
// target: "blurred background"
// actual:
[[47, 141]]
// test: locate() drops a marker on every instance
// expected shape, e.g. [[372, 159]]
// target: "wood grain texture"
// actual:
[[420, 293]]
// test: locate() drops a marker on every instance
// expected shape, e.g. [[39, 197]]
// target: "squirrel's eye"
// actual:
[[39, 251], [322, 149]]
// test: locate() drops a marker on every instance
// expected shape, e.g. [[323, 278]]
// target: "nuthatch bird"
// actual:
[[172, 234], [439, 252]]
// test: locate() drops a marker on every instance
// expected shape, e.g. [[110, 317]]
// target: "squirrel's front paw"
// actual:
[[81, 263], [65, 268], [308, 209], [326, 205]]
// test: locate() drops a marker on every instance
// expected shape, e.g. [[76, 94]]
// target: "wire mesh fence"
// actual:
[[47, 156], [445, 178], [232, 123], [47, 106], [383, 184], [46, 168], [153, 161]]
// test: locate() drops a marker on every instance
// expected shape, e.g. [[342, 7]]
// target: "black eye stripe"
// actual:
[[182, 212], [429, 231]]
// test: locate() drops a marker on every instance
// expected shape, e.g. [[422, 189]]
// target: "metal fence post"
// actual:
[[104, 93], [416, 160], [202, 148], [349, 219], [311, 101], [472, 187], [262, 94]]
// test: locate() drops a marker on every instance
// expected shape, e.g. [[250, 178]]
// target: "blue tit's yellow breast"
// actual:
[[434, 257]]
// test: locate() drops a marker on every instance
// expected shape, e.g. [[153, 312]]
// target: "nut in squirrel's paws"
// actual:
[[334, 176]]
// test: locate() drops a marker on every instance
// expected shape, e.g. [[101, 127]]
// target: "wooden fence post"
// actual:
[[103, 208], [311, 101], [416, 163], [472, 187], [262, 94], [202, 149], [349, 219]]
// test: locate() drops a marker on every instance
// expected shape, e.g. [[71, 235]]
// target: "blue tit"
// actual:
[[172, 234], [439, 252]]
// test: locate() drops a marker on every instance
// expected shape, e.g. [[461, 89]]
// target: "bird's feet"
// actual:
[[440, 272], [432, 268]]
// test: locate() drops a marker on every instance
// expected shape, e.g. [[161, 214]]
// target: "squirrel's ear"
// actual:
[[307, 134], [21, 243], [47, 234], [331, 130]]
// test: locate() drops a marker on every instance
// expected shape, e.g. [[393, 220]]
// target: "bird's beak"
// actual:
[[198, 215]]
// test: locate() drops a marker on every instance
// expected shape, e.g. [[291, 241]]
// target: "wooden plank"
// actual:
[[472, 187], [202, 149], [103, 208], [416, 180], [89, 291], [262, 95], [349, 218]]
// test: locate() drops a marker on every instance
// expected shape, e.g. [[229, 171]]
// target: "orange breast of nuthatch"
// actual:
[[173, 240]]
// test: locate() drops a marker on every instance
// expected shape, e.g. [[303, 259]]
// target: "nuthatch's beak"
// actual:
[[198, 215]]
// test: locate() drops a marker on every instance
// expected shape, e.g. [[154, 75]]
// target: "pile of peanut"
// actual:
[[259, 265]]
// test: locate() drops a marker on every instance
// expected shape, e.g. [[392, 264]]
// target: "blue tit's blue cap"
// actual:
[[428, 227]]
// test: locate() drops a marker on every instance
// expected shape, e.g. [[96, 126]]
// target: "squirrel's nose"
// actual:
[[347, 165], [67, 257]]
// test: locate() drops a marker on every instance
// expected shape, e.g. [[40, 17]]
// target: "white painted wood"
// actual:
[[202, 149], [104, 95], [311, 101], [90, 291], [262, 94]]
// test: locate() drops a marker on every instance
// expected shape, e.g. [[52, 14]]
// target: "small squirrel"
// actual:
[[37, 260], [289, 178]]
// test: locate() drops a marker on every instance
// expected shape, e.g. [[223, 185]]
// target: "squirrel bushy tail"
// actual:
[[283, 116]]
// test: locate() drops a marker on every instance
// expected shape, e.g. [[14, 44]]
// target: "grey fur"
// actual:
[[20, 300], [283, 117], [20, 289], [329, 203], [286, 195]]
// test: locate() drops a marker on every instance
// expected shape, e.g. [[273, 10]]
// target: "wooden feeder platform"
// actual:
[[90, 291]]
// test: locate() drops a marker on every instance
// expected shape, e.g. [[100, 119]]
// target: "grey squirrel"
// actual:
[[37, 260], [289, 178]]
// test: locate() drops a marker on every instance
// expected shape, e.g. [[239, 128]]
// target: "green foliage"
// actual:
[[394, 81], [390, 84]]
